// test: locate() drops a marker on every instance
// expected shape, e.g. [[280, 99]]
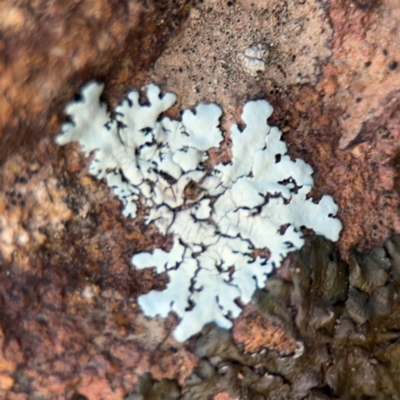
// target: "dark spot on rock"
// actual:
[[367, 4], [393, 65], [149, 388], [79, 397]]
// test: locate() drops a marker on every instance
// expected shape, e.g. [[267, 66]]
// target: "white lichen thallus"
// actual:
[[157, 162]]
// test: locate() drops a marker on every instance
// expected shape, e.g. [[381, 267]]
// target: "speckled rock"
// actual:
[[68, 293], [365, 64], [267, 325]]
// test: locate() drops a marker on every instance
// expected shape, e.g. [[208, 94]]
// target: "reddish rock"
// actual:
[[223, 396], [366, 65], [257, 333]]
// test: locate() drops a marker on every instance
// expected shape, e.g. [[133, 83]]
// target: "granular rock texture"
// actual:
[[268, 325], [364, 76], [33, 209], [256, 333], [360, 96], [204, 62], [68, 294]]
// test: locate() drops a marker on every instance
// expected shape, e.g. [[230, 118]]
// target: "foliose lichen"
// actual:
[[259, 200]]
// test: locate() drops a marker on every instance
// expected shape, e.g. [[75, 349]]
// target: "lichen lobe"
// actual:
[[257, 201]]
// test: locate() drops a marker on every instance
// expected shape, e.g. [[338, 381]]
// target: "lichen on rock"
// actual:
[[253, 59], [259, 200]]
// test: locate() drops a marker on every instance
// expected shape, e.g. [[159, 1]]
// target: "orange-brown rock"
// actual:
[[257, 333], [223, 396]]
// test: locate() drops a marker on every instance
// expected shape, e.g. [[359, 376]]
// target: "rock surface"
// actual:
[[49, 48], [311, 72], [70, 324]]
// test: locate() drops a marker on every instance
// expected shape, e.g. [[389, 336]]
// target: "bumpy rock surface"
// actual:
[[325, 327]]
